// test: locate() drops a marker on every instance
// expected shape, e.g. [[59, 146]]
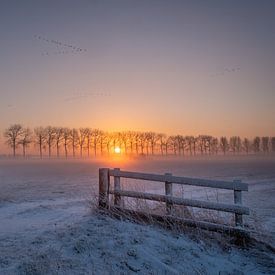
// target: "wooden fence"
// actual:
[[236, 186]]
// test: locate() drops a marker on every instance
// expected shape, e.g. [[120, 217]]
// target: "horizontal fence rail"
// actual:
[[187, 202], [237, 186]]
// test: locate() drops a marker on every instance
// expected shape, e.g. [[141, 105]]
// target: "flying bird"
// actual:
[[78, 95], [70, 48], [225, 71]]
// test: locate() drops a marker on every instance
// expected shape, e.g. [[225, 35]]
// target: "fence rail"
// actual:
[[237, 186]]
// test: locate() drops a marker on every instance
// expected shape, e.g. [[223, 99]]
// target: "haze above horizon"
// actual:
[[191, 67]]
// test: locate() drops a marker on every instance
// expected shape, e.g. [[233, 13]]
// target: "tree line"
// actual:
[[88, 142]]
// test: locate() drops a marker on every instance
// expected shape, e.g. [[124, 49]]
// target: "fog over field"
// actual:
[[43, 200]]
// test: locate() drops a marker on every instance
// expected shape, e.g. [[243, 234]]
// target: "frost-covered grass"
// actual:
[[48, 224], [68, 238]]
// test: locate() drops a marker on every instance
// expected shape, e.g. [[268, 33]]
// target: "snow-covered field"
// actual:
[[48, 224]]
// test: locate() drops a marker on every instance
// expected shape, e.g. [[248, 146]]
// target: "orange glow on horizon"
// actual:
[[117, 150]]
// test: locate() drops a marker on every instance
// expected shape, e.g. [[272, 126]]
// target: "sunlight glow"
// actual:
[[117, 150]]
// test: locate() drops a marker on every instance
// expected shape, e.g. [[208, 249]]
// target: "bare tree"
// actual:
[[81, 139], [108, 141], [162, 138], [13, 134], [182, 146], [256, 144], [102, 139], [118, 139], [67, 135], [96, 137], [239, 144], [124, 136], [147, 142], [152, 138], [58, 138], [74, 140], [131, 140], [114, 137], [89, 139], [25, 139], [50, 137], [214, 145], [173, 140], [265, 144], [224, 144], [136, 141], [246, 145], [142, 141], [206, 142], [40, 138], [194, 145], [190, 143], [273, 144], [235, 144], [200, 143], [166, 143]]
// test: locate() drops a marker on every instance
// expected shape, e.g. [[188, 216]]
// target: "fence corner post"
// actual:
[[168, 192], [104, 183], [238, 200], [117, 197]]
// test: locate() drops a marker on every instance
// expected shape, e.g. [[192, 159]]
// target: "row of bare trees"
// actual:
[[87, 141]]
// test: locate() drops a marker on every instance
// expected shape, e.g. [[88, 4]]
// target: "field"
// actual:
[[48, 222]]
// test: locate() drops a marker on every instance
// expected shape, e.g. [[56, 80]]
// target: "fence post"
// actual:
[[104, 183], [238, 200], [117, 197], [168, 192]]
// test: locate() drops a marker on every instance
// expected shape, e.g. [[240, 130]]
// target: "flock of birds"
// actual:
[[62, 48], [66, 48], [79, 95], [226, 71]]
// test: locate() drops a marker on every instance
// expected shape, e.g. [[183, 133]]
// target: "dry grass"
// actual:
[[144, 212]]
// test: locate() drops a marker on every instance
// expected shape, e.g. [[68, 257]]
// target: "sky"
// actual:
[[176, 67]]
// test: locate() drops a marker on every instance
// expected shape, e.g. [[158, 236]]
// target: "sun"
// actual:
[[117, 150]]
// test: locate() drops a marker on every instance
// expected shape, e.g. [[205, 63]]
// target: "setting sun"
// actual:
[[117, 150]]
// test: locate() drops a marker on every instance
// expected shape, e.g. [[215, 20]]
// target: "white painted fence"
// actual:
[[236, 186]]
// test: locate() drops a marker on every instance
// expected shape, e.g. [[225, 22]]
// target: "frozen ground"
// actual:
[[47, 224]]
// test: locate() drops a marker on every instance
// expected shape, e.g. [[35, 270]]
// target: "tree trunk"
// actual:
[[101, 148], [88, 147], [40, 149], [14, 148], [125, 146], [95, 149], [66, 152], [49, 150], [57, 150]]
